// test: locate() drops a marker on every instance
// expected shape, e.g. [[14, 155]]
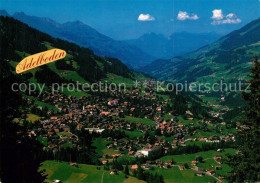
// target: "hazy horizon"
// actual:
[[130, 19]]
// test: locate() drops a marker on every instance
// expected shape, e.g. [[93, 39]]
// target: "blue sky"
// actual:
[[126, 19]]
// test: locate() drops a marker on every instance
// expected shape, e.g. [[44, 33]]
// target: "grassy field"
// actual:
[[112, 78], [42, 140], [72, 75], [126, 157], [85, 173], [174, 174], [64, 134], [185, 122], [201, 133], [140, 120], [32, 117], [167, 116], [69, 92], [39, 103], [208, 161], [164, 97], [187, 158], [133, 134], [101, 147], [133, 180]]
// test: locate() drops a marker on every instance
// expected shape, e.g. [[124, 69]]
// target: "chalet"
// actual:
[[198, 169], [181, 167], [104, 162], [50, 133], [39, 107], [145, 152], [182, 143], [221, 177], [97, 130], [165, 166], [110, 146], [66, 128], [210, 172], [175, 141], [202, 139], [104, 113], [112, 102], [74, 164], [159, 163], [113, 171], [54, 118], [56, 181], [139, 154], [218, 159], [170, 162], [130, 152], [194, 163], [200, 173], [115, 155], [134, 167], [219, 150]]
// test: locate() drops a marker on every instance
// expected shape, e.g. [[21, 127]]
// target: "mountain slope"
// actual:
[[88, 37], [228, 58], [80, 64], [177, 44]]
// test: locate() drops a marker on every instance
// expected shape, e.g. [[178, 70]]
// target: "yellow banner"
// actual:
[[39, 59]]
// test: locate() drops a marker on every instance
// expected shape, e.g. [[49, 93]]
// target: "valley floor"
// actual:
[[57, 170]]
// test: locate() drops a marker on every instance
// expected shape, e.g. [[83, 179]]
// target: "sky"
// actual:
[[129, 19]]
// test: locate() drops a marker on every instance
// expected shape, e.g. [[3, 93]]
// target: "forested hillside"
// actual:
[[229, 59], [86, 36], [23, 40]]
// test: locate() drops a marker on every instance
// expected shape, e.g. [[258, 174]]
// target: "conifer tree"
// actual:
[[126, 169], [245, 164]]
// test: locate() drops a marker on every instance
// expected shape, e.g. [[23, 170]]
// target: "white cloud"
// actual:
[[183, 15], [230, 15], [217, 14], [219, 18], [145, 17]]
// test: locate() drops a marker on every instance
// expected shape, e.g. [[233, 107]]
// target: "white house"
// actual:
[[145, 152], [97, 130]]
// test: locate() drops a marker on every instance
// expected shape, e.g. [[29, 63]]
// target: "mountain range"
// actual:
[[134, 53], [80, 64], [88, 37], [176, 44], [229, 59]]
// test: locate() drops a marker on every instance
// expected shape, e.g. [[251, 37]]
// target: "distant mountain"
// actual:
[[177, 44], [80, 64], [88, 37], [4, 13], [229, 59]]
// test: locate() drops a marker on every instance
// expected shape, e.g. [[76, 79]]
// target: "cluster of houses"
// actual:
[[98, 112]]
